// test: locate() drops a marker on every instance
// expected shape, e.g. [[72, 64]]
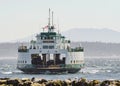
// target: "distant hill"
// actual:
[[93, 35], [85, 34], [90, 48]]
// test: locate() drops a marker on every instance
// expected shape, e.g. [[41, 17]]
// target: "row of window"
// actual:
[[48, 47], [76, 61], [22, 61], [48, 38], [72, 61], [44, 47], [48, 41]]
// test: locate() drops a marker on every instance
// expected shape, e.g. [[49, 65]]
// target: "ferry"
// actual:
[[51, 52]]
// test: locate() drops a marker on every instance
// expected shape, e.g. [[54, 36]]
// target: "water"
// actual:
[[96, 68]]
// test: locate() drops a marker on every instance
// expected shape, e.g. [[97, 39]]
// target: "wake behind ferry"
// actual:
[[50, 53]]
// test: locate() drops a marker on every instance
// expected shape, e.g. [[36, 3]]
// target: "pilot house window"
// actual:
[[45, 47], [51, 47]]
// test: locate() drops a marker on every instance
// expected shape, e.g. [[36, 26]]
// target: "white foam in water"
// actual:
[[89, 70], [17, 71], [94, 71], [6, 72], [108, 71]]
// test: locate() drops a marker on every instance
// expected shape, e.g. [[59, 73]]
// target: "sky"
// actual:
[[22, 18]]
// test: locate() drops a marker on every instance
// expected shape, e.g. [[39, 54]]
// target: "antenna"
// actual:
[[49, 19], [50, 28], [52, 18], [58, 25]]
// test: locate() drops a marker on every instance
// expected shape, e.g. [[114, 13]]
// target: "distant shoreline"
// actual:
[[91, 49]]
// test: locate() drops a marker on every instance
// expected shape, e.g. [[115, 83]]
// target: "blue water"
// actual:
[[100, 68]]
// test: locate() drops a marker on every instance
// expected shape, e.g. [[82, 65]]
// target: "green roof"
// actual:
[[62, 36], [48, 34]]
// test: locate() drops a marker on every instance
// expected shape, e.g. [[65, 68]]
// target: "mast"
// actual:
[[50, 27], [49, 21], [52, 18]]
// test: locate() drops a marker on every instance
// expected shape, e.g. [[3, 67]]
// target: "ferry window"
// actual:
[[71, 61], [45, 38], [51, 37], [74, 61], [48, 37], [34, 47], [48, 41], [51, 41], [41, 37], [45, 47], [25, 61], [31, 47], [51, 47]]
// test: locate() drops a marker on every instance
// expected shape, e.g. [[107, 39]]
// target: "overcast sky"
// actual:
[[21, 18]]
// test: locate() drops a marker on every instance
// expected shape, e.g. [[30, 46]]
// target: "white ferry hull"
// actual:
[[69, 67]]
